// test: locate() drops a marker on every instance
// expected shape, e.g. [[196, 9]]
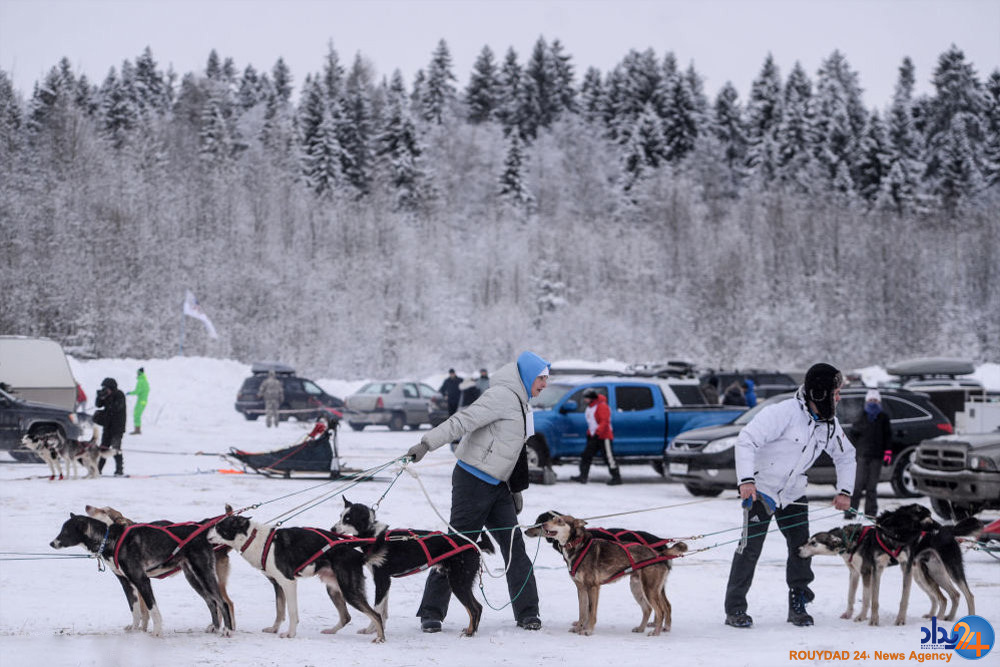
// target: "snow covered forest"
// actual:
[[357, 225]]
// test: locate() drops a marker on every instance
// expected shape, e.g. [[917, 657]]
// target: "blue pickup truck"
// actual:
[[646, 414]]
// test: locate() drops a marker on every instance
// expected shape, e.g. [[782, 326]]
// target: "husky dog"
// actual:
[[594, 562], [286, 554], [49, 447], [110, 516], [135, 552], [399, 552]]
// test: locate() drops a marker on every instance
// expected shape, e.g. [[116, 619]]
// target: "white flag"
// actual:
[[192, 309]]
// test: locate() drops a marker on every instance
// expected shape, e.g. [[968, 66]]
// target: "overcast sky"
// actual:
[[726, 39]]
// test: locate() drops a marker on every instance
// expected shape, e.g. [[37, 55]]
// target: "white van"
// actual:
[[36, 369]]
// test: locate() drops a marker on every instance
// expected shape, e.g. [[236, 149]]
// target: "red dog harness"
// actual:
[[181, 542], [892, 553], [331, 539], [628, 537], [632, 566]]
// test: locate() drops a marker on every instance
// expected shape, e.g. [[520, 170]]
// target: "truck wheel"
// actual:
[[703, 491], [902, 479], [538, 459], [356, 426], [397, 421], [658, 467], [251, 417]]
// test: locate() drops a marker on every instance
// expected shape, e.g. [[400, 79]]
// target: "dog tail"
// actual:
[[485, 543], [375, 554], [970, 527]]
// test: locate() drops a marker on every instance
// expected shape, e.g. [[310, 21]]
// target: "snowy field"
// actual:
[[65, 612]]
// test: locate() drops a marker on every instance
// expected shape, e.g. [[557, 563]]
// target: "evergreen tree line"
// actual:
[[369, 227]]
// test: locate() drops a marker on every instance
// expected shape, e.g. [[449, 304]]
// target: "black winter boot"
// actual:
[[797, 615], [740, 619], [616, 477], [584, 474], [119, 465]]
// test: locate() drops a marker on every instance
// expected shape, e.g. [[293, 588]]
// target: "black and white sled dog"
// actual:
[[908, 536], [287, 554], [400, 552], [54, 449], [109, 516], [138, 551]]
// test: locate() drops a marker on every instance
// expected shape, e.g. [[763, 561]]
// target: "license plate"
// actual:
[[677, 468]]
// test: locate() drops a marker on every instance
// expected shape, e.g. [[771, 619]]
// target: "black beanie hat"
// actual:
[[110, 383], [821, 382]]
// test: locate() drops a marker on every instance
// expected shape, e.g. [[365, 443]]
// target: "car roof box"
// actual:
[[931, 367], [261, 367]]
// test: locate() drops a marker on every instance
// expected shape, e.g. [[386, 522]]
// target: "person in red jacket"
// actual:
[[599, 437]]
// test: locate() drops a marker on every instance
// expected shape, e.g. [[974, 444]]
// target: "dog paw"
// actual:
[[638, 628], [370, 630], [225, 632], [333, 630], [900, 620], [846, 614], [271, 629], [378, 640], [873, 621], [654, 633], [586, 632], [287, 635]]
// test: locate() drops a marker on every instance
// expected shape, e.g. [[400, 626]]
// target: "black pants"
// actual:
[[866, 482], [595, 446], [474, 504], [112, 442], [794, 524]]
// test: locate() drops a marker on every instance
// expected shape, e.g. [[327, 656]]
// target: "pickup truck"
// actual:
[[960, 473], [646, 414]]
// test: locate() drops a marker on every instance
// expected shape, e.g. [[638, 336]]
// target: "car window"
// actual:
[[251, 385], [550, 396], [633, 399], [426, 391], [410, 390], [581, 402], [377, 388], [899, 409], [849, 409], [688, 394], [293, 385], [311, 388]]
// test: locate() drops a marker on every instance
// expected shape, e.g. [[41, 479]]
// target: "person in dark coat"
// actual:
[[734, 395], [451, 389], [110, 416], [872, 437]]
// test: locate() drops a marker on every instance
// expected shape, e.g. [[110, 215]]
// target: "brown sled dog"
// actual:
[[594, 562]]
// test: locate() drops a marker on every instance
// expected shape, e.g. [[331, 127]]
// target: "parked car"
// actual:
[[959, 473], [304, 399], [646, 413], [704, 460], [392, 403], [941, 379], [19, 417], [36, 369], [766, 383]]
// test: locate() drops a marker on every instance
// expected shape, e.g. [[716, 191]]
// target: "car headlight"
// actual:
[[720, 445], [982, 463], [72, 418]]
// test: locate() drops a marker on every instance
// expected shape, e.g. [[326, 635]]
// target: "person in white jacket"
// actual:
[[773, 453]]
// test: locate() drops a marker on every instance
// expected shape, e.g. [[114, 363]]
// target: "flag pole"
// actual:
[[182, 330]]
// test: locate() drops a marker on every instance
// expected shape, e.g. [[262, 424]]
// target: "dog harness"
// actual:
[[331, 540], [181, 542], [455, 546], [892, 553], [633, 565], [628, 537]]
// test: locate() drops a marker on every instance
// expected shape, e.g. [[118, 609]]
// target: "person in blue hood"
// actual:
[[750, 392], [487, 482]]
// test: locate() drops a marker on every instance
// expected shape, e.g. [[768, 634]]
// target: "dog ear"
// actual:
[[347, 503], [229, 509]]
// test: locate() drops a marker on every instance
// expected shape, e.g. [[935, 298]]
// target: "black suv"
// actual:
[[703, 458], [19, 418], [304, 399], [766, 383]]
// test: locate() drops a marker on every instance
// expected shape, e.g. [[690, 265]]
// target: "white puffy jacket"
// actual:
[[777, 447]]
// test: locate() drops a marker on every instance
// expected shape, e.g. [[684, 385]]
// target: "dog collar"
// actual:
[[253, 534]]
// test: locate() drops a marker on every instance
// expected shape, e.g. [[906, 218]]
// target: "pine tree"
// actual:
[[399, 152], [323, 156], [646, 149], [313, 112], [957, 173], [539, 89], [905, 147], [874, 159], [482, 93], [763, 119], [355, 133], [840, 115], [213, 68], [728, 127], [679, 120], [564, 87], [149, 84], [991, 153], [512, 185], [438, 92], [215, 140], [119, 115], [796, 133], [510, 111], [11, 120], [249, 93], [281, 77], [333, 74], [592, 96], [636, 82]]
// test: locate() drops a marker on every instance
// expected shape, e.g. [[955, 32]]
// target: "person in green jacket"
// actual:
[[141, 393]]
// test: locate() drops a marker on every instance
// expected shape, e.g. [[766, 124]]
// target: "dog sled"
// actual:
[[315, 455]]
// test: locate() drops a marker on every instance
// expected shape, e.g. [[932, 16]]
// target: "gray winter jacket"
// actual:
[[493, 426], [781, 443]]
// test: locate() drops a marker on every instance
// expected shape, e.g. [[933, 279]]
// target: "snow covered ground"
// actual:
[[64, 612]]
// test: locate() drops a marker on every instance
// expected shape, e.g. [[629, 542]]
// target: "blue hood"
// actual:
[[529, 365]]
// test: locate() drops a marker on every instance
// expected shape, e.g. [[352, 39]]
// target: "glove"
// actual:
[[887, 457], [518, 502], [418, 451]]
